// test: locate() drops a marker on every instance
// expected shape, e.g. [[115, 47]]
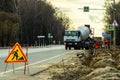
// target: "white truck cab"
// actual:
[[74, 38]]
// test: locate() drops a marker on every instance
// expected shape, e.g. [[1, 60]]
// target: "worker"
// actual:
[[93, 48], [97, 44], [107, 44], [100, 44], [103, 44]]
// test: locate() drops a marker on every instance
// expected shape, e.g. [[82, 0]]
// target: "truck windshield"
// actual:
[[71, 33]]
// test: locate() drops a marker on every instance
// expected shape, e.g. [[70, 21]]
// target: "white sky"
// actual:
[[78, 17]]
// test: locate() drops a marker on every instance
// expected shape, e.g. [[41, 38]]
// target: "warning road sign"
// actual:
[[115, 23], [16, 55]]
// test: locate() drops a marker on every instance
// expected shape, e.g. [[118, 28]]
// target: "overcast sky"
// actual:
[[78, 17]]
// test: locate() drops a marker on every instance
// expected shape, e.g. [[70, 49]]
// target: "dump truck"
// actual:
[[78, 39]]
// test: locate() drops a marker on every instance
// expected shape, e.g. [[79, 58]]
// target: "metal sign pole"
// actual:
[[13, 68], [26, 63], [114, 26], [7, 63]]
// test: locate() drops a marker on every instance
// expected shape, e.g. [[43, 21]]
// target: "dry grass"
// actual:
[[104, 65]]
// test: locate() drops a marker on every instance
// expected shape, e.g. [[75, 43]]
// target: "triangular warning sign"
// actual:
[[115, 23], [16, 55]]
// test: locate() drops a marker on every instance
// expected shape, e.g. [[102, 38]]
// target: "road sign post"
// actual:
[[114, 7], [16, 55], [49, 37], [26, 63], [115, 24], [39, 38]]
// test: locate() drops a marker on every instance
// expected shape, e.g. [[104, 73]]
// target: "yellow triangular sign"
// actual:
[[16, 55]]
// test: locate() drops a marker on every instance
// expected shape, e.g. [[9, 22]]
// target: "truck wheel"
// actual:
[[75, 48], [65, 47], [69, 48]]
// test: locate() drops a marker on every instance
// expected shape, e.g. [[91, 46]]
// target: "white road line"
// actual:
[[32, 64]]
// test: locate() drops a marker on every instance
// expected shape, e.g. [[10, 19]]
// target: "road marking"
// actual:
[[34, 63]]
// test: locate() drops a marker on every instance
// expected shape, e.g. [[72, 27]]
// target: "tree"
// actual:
[[8, 22], [23, 20], [112, 12], [40, 18]]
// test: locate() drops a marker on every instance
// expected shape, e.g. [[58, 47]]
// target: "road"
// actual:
[[36, 57]]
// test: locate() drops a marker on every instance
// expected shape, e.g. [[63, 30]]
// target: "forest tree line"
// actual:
[[23, 20]]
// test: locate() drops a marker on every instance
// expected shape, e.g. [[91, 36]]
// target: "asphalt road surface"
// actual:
[[36, 57]]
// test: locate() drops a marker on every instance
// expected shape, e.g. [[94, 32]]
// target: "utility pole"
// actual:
[[114, 39]]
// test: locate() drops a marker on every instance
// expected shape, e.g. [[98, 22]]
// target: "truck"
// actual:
[[78, 39]]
